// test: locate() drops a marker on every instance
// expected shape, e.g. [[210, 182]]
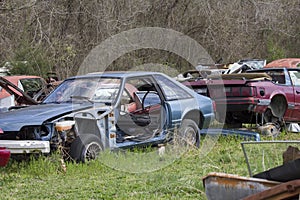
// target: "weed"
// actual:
[[110, 177]]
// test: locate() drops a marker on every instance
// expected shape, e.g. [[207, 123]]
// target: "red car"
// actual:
[[22, 90], [258, 96]]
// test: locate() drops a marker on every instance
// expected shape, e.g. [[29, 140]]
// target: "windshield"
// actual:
[[31, 84], [92, 89], [295, 76]]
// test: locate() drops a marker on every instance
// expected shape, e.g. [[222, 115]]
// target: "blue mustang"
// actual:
[[89, 113]]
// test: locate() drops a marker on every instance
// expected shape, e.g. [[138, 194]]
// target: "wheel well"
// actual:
[[278, 106], [80, 143], [196, 116]]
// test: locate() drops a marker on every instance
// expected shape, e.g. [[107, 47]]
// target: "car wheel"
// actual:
[[86, 147], [278, 106], [189, 133]]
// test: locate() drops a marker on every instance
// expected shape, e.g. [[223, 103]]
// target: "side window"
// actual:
[[171, 90], [295, 77], [20, 86], [277, 76], [126, 98], [141, 92]]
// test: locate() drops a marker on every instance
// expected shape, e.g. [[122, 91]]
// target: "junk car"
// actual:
[[266, 95], [87, 114], [22, 90]]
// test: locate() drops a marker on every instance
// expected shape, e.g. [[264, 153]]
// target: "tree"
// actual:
[[59, 34]]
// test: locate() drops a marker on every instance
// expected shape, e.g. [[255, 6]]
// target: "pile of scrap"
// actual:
[[280, 182]]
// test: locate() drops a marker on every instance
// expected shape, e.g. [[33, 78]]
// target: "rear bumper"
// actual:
[[25, 146], [242, 104], [208, 119]]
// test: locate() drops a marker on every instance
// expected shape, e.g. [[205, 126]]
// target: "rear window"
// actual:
[[171, 90], [277, 76]]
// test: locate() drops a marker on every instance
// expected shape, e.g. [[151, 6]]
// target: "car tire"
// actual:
[[278, 106], [86, 147], [189, 133]]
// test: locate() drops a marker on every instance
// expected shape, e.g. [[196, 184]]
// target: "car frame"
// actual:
[[86, 126]]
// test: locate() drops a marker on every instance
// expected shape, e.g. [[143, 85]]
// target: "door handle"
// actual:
[[298, 92]]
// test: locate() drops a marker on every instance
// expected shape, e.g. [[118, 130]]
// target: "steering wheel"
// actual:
[[143, 100]]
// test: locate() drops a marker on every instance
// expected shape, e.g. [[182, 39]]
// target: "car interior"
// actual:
[[139, 114]]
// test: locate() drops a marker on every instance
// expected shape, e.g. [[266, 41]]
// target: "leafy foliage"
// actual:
[[55, 35], [30, 60]]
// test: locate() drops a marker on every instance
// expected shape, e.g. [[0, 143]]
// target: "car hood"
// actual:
[[36, 114]]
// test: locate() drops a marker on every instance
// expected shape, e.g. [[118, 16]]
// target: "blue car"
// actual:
[[111, 110]]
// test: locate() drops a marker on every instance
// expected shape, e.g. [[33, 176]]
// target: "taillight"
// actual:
[[214, 106], [240, 91], [235, 91], [246, 91], [1, 131]]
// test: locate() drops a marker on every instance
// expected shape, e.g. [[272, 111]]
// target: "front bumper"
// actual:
[[26, 146]]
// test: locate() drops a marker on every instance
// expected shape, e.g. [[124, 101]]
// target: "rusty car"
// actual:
[[22, 90], [87, 114], [260, 96]]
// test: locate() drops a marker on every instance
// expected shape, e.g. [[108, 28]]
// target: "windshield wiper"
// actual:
[[51, 102]]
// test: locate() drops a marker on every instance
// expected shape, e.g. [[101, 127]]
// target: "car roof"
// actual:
[[116, 74], [285, 62], [15, 79], [272, 69]]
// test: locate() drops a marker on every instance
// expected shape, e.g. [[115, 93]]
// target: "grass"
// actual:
[[177, 178]]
